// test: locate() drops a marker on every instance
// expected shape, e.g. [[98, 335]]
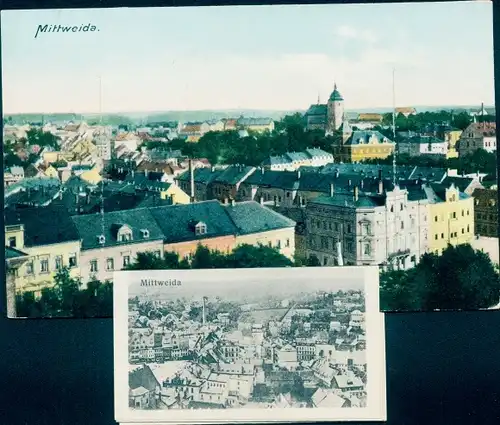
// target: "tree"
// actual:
[[249, 256], [205, 259], [461, 278], [150, 261]]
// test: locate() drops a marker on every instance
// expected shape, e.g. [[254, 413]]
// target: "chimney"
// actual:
[[362, 183], [337, 173], [349, 183], [212, 169], [298, 175], [60, 195], [261, 200], [191, 180], [356, 193], [332, 189], [133, 173], [262, 170], [380, 187], [226, 201], [233, 202]]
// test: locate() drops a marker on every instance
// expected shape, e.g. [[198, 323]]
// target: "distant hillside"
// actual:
[[141, 118]]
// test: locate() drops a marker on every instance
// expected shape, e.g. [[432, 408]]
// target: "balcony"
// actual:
[[398, 254]]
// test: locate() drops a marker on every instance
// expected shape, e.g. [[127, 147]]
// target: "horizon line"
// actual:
[[124, 112]]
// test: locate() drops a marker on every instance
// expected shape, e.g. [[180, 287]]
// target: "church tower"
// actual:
[[335, 111]]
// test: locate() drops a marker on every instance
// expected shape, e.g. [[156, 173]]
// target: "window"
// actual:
[[463, 213], [44, 265], [442, 235], [200, 229], [288, 195], [336, 227], [270, 244], [110, 264], [401, 207], [325, 261], [278, 244], [287, 243], [126, 260], [72, 260], [366, 228], [93, 266], [436, 218], [367, 249], [402, 225], [468, 229], [392, 208], [59, 262], [348, 228], [324, 225], [29, 267], [436, 236], [12, 242], [454, 214]]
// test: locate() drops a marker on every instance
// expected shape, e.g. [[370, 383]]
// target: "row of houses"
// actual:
[[94, 245], [193, 131], [350, 214]]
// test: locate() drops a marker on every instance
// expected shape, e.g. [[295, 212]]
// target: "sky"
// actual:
[[248, 57], [256, 283]]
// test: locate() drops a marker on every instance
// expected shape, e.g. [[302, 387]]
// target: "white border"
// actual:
[[375, 351]]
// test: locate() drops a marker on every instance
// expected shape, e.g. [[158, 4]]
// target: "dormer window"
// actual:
[[200, 228], [145, 233], [101, 239], [124, 233]]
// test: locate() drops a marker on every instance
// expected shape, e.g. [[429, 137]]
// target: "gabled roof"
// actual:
[[279, 179], [202, 175], [43, 225], [176, 221], [233, 174], [318, 109], [254, 121], [251, 217], [91, 226], [11, 253], [360, 137]]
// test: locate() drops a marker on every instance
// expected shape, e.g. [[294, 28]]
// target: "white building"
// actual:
[[112, 241]]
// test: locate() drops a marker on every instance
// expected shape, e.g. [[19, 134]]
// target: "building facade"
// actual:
[[326, 117], [387, 228], [486, 212], [451, 218]]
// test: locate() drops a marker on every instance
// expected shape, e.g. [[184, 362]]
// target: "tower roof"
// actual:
[[335, 96]]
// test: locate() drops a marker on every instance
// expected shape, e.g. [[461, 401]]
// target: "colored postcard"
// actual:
[[253, 345], [250, 136]]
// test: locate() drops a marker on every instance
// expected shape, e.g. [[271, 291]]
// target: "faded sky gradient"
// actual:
[[264, 57]]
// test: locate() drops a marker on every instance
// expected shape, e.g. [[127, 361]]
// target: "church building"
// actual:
[[327, 117]]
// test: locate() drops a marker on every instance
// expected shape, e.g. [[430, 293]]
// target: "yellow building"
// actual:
[[50, 240], [50, 171], [91, 176], [451, 219], [452, 137], [363, 145], [176, 194]]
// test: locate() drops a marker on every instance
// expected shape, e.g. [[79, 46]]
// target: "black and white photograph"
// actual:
[[249, 345]]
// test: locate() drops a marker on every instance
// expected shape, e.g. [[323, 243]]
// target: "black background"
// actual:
[[443, 368]]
